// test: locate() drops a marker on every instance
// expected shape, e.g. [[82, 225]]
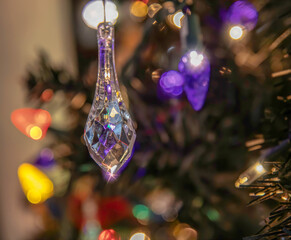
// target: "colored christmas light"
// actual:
[[109, 234], [171, 83], [195, 68], [33, 123], [35, 184], [139, 236], [242, 13], [45, 158]]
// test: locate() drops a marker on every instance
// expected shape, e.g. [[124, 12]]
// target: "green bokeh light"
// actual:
[[141, 212]]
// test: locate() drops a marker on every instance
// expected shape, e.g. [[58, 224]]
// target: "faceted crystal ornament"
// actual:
[[195, 68], [109, 132]]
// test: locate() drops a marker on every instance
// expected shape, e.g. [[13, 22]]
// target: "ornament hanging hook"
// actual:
[[104, 4]]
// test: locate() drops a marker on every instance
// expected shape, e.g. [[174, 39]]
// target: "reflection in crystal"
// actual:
[[109, 132]]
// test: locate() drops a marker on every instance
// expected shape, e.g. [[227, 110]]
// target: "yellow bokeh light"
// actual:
[[35, 184], [33, 196], [236, 32], [35, 133], [139, 9]]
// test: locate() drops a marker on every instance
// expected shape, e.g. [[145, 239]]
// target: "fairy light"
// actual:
[[236, 32], [250, 175], [93, 13]]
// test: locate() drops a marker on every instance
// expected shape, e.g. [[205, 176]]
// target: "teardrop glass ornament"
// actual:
[[109, 132]]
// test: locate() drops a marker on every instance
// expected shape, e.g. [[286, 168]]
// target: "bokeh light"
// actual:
[[34, 123], [45, 158], [109, 234], [93, 13], [171, 83], [35, 184], [177, 18], [236, 32], [47, 95], [187, 234], [35, 132], [242, 13], [139, 236], [139, 9], [195, 58], [141, 212]]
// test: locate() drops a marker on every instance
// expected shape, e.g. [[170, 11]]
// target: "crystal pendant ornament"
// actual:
[[109, 132], [195, 68]]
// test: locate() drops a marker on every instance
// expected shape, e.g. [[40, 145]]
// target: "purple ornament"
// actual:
[[242, 13], [171, 83], [195, 68]]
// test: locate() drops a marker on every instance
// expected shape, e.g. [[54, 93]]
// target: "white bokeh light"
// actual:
[[177, 18], [195, 58], [236, 32], [93, 13]]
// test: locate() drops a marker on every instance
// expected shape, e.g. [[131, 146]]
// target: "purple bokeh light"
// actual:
[[242, 13], [171, 83], [195, 68], [45, 158]]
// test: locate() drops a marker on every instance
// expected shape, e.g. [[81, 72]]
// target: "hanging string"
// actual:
[[104, 3]]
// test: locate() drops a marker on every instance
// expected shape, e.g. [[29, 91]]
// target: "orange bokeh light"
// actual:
[[47, 95], [33, 123]]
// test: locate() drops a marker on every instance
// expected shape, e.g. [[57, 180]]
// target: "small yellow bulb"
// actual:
[[236, 32], [35, 133]]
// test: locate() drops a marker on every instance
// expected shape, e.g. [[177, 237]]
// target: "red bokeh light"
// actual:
[[108, 234]]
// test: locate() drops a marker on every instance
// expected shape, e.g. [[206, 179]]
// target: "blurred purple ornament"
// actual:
[[171, 83], [242, 13], [45, 158], [195, 68]]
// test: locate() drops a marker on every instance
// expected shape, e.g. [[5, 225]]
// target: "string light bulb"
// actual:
[[93, 13], [251, 175], [35, 184]]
